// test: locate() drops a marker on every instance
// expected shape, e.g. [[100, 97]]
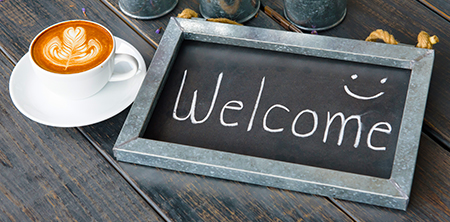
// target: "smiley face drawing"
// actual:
[[350, 93]]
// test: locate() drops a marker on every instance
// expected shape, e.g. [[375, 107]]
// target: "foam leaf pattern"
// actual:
[[73, 50]]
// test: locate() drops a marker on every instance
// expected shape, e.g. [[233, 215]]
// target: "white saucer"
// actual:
[[39, 104]]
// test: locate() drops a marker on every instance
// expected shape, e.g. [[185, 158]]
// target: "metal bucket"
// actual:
[[315, 14], [236, 10], [147, 9]]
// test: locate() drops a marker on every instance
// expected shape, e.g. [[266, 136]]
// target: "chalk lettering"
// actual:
[[294, 123], [343, 124], [194, 101], [250, 124], [238, 105], [229, 106], [375, 128], [266, 128]]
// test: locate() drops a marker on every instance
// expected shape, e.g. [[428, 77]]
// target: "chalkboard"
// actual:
[[281, 86], [321, 115]]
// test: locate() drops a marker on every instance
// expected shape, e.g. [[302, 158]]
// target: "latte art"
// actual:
[[73, 50], [72, 47]]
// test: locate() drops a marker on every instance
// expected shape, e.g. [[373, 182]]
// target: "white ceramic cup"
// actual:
[[86, 83]]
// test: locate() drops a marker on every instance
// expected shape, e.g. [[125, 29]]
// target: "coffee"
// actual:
[[72, 47]]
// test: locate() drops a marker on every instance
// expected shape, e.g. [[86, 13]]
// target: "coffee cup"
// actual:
[[75, 59]]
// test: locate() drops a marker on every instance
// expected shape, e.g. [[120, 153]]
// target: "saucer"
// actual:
[[39, 104]]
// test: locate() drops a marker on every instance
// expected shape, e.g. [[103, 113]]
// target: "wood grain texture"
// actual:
[[55, 174], [440, 7], [188, 197]]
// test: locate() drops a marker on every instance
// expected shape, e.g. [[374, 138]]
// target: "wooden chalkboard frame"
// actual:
[[393, 192]]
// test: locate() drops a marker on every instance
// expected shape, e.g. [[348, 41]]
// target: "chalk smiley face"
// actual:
[[356, 96]]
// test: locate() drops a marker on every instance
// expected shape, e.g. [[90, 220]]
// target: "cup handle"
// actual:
[[116, 77]]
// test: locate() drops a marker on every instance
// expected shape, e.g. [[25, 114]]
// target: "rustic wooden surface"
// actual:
[[69, 174], [441, 7], [55, 174]]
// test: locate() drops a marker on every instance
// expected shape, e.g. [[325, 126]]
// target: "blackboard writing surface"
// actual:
[[321, 115], [287, 84]]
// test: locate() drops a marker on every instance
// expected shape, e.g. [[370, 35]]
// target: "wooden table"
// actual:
[[69, 174]]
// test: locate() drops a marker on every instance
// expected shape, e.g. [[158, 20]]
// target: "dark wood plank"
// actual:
[[187, 197], [440, 7], [430, 200], [92, 190], [50, 174]]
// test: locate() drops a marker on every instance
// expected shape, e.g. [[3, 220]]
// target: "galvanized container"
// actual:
[[147, 9], [315, 14], [236, 10]]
